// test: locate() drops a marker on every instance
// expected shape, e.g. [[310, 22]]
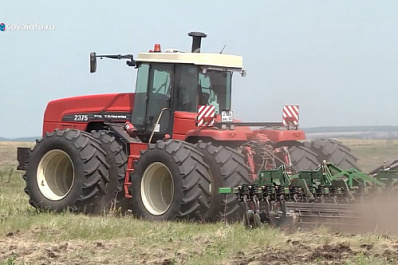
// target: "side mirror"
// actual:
[[93, 62]]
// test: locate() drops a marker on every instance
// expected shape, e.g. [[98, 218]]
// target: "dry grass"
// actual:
[[8, 153], [28, 237], [373, 153]]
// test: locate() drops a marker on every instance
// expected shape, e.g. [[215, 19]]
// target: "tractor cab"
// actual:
[[163, 89], [173, 83]]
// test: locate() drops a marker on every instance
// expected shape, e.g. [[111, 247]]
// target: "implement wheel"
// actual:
[[66, 170], [333, 151], [170, 181], [117, 160], [227, 169]]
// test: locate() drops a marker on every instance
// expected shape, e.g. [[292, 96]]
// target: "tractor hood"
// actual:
[[62, 109]]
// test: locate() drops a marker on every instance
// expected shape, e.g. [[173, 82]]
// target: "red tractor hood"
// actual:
[[57, 109]]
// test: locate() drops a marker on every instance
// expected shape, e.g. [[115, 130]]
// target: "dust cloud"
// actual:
[[380, 215]]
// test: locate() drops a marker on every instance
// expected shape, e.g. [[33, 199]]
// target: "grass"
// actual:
[[29, 237], [372, 153], [8, 153]]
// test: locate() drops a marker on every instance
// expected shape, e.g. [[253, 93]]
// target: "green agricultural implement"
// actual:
[[327, 196]]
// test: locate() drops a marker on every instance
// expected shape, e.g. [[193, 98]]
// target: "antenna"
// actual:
[[223, 49]]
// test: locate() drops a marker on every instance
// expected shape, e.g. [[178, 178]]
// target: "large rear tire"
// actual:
[[117, 160], [302, 158], [170, 181], [227, 169], [66, 170], [333, 151]]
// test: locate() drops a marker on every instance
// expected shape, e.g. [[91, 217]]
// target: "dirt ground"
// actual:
[[302, 248], [322, 254]]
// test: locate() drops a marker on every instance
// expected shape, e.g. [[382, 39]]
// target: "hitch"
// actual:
[[23, 154]]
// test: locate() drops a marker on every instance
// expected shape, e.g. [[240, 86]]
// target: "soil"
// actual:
[[16, 248], [306, 254]]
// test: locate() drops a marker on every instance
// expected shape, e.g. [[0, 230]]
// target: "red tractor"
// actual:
[[152, 152]]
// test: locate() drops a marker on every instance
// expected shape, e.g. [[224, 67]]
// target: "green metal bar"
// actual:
[[351, 174], [326, 176], [225, 190], [332, 168], [357, 176], [271, 176], [387, 176]]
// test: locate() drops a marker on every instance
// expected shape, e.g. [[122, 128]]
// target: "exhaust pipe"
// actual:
[[196, 40]]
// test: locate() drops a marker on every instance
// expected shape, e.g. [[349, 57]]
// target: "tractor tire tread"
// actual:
[[117, 160], [231, 170], [334, 151], [194, 179], [94, 174], [303, 158]]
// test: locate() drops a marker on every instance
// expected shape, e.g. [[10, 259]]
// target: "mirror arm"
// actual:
[[116, 56], [94, 56]]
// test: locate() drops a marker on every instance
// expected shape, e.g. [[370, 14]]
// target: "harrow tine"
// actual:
[[316, 197]]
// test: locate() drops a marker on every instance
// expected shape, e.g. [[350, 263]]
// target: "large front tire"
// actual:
[[66, 170], [170, 181], [227, 169]]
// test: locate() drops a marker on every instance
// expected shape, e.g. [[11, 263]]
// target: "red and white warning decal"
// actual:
[[290, 115], [206, 115]]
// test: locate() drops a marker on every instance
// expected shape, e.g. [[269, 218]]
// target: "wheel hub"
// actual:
[[55, 175], [157, 188]]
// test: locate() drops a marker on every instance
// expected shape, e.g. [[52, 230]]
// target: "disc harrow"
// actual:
[[328, 196]]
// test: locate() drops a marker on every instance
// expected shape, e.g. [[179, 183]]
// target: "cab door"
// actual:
[[153, 94]]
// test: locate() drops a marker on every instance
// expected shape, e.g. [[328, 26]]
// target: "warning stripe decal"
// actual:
[[290, 115], [204, 113]]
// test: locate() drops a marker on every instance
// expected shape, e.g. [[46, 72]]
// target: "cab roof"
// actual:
[[203, 59]]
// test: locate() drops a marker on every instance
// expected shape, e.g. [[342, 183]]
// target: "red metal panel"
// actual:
[[283, 135], [56, 109], [218, 134], [183, 122]]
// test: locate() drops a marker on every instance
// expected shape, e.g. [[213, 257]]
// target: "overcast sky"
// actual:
[[338, 60]]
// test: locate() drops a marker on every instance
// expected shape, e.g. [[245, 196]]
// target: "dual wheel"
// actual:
[[175, 179], [84, 172], [76, 171], [312, 153]]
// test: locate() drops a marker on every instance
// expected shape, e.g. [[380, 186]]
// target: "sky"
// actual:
[[337, 60]]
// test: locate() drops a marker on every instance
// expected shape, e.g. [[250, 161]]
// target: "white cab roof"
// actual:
[[205, 59]]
